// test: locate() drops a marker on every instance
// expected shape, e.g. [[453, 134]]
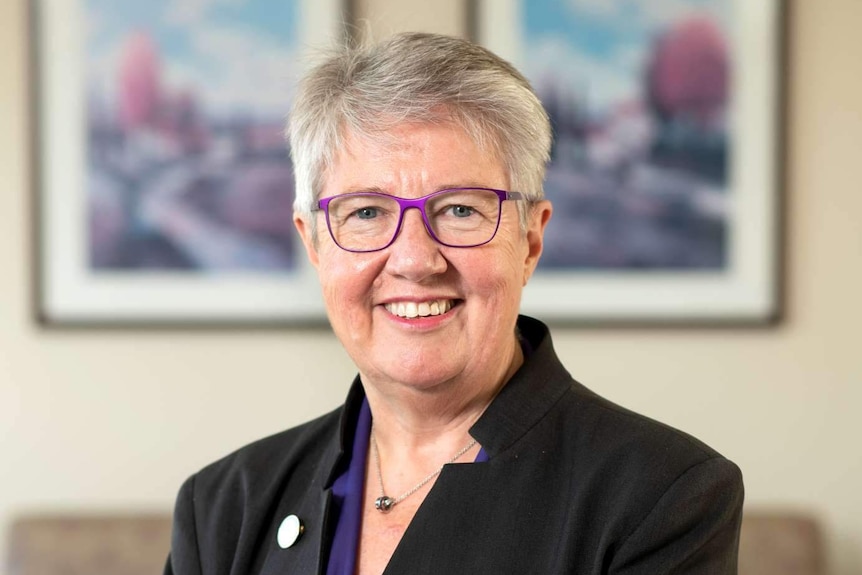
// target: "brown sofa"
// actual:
[[137, 544], [128, 544], [780, 544]]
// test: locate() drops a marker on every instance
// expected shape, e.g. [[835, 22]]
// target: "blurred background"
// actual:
[[115, 420]]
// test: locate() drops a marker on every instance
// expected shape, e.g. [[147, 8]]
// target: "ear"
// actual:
[[304, 227], [538, 218]]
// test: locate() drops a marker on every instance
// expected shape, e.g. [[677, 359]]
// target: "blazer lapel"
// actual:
[[305, 556], [445, 535]]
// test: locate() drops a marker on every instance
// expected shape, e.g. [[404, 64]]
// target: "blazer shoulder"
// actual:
[[635, 471], [628, 457], [263, 460], [222, 510], [621, 426]]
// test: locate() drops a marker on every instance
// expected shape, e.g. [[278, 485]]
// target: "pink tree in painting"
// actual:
[[139, 85], [689, 72]]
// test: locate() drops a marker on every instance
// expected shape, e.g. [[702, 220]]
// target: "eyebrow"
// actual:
[[366, 190]]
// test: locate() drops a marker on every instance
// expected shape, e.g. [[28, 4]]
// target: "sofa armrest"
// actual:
[[774, 543]]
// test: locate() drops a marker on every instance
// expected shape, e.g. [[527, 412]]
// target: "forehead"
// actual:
[[425, 155]]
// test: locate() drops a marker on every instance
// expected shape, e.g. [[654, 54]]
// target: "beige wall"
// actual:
[[107, 420]]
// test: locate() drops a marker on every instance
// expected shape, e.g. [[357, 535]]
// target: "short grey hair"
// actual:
[[417, 77]]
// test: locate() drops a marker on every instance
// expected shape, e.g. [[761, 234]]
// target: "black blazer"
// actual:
[[574, 484]]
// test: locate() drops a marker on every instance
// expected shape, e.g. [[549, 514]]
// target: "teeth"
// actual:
[[411, 309], [424, 309]]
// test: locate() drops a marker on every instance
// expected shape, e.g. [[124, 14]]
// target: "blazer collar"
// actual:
[[529, 394], [337, 458]]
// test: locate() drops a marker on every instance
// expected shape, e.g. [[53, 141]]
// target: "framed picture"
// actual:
[[164, 185], [664, 167]]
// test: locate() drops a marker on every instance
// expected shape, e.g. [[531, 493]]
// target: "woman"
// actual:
[[464, 446]]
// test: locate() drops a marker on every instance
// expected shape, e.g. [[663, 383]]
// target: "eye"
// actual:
[[366, 213], [461, 211]]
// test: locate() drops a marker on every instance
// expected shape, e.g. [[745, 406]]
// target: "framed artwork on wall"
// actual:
[[664, 168], [164, 186]]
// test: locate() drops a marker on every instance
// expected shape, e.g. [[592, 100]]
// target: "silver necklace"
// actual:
[[384, 503]]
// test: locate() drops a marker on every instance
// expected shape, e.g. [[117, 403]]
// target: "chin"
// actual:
[[420, 377]]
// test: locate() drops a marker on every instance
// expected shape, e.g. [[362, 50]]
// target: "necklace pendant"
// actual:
[[384, 503]]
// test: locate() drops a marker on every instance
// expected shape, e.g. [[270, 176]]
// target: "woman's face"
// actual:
[[468, 340]]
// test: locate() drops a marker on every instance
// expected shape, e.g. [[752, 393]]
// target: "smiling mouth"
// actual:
[[412, 310]]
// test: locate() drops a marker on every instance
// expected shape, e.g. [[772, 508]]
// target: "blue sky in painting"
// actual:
[[210, 46], [600, 46], [583, 30], [169, 20]]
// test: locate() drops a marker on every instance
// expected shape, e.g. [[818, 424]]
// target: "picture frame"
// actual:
[[163, 186], [652, 225]]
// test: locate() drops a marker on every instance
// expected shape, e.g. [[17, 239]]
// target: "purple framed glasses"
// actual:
[[456, 217]]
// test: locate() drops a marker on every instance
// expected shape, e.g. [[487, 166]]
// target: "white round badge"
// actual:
[[289, 531]]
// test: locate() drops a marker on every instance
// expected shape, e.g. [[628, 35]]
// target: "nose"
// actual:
[[414, 254]]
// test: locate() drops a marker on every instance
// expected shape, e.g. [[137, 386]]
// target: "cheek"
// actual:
[[347, 280], [498, 273]]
